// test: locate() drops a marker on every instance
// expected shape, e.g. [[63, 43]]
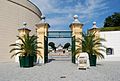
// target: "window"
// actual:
[[109, 51]]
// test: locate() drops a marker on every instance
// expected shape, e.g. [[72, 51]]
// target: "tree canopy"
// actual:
[[52, 44], [113, 20], [66, 46]]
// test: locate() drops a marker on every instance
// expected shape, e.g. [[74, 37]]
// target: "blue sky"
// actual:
[[59, 13]]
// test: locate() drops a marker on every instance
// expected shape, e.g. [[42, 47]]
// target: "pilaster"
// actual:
[[95, 30], [76, 28], [22, 32], [42, 31]]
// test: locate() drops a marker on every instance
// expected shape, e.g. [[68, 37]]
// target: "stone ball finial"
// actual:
[[42, 17], [76, 19], [75, 16], [24, 24], [94, 23], [24, 27]]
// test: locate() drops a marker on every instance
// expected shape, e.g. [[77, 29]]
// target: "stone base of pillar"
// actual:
[[17, 58], [40, 60]]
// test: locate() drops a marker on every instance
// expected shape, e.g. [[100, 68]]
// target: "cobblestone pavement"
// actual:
[[60, 70]]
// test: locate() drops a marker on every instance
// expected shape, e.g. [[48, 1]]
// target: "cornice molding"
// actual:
[[25, 7]]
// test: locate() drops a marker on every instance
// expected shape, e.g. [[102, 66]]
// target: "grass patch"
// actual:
[[110, 28]]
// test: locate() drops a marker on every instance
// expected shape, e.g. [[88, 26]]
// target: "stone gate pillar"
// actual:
[[42, 31], [76, 28], [95, 30], [22, 31]]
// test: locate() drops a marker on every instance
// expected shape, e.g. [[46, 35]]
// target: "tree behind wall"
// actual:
[[52, 44], [66, 46], [113, 20]]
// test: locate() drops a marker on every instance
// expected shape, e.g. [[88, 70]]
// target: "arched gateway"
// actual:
[[43, 34]]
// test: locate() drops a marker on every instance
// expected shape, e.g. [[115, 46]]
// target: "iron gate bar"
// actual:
[[45, 49], [59, 34], [73, 49]]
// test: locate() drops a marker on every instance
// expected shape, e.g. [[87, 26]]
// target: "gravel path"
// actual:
[[58, 70]]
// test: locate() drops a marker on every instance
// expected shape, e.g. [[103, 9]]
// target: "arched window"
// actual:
[[109, 51]]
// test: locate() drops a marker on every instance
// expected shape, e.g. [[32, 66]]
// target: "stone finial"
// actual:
[[24, 24], [24, 27], [42, 22], [42, 19], [75, 16], [76, 19], [94, 25]]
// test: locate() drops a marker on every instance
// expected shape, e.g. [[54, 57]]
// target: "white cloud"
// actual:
[[86, 10], [54, 21], [44, 5]]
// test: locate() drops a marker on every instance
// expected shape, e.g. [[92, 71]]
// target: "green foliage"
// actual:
[[52, 45], [110, 29], [66, 46], [113, 20], [28, 46], [91, 45]]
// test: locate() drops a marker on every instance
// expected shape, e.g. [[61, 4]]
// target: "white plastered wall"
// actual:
[[112, 41]]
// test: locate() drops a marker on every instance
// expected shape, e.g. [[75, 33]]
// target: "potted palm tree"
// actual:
[[27, 50], [92, 46]]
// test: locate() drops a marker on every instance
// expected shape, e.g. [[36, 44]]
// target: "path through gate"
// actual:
[[43, 35], [59, 34]]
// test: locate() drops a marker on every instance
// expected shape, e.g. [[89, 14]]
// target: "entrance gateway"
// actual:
[[43, 34], [59, 34]]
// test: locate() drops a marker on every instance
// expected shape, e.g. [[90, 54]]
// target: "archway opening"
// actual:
[[60, 46]]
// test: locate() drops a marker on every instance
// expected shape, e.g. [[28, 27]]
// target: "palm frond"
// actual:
[[39, 43], [39, 53], [22, 39], [91, 45], [40, 47], [14, 49], [27, 46], [16, 54], [16, 44], [99, 55]]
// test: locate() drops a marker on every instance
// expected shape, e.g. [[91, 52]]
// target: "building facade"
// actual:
[[112, 44], [12, 14]]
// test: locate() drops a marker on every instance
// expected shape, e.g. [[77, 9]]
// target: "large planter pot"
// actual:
[[92, 60], [35, 58], [26, 61]]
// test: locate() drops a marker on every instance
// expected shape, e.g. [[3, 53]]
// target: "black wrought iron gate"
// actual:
[[73, 49], [59, 34], [45, 49]]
